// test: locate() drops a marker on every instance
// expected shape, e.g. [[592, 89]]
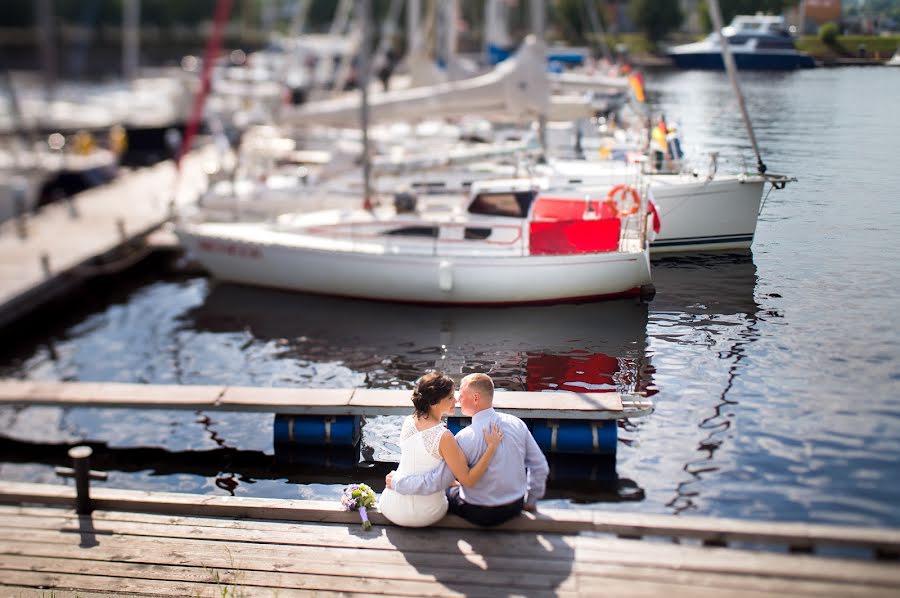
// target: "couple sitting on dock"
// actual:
[[435, 475]]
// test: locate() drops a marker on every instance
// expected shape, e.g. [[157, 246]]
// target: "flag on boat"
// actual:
[[636, 80]]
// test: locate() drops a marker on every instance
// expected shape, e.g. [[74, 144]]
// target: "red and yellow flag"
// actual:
[[636, 80]]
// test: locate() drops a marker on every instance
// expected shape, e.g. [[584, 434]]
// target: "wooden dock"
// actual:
[[165, 544], [64, 240], [289, 401]]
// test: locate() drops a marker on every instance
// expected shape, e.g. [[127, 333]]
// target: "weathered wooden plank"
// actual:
[[560, 400], [597, 586], [336, 561], [631, 524], [110, 394], [424, 567], [23, 592], [355, 578], [495, 546], [348, 401], [151, 587], [300, 401]]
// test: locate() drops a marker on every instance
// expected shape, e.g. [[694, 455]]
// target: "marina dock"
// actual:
[[154, 544], [44, 255]]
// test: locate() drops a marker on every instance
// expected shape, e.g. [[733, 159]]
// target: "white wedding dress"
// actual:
[[420, 453]]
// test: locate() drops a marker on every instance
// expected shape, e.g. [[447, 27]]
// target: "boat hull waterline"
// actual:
[[458, 280], [707, 216]]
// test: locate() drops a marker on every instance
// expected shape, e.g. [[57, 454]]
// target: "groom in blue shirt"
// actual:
[[514, 480]]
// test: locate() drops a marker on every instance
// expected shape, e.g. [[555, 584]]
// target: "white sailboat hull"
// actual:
[[714, 215], [464, 279], [696, 213]]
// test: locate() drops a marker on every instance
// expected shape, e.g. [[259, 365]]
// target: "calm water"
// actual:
[[776, 374]]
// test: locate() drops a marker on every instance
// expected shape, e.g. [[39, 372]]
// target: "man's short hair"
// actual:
[[482, 384]]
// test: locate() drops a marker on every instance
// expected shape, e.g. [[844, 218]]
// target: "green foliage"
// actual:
[[828, 33], [881, 46], [575, 23], [655, 18]]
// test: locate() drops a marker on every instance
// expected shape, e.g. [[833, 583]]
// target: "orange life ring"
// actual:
[[617, 196]]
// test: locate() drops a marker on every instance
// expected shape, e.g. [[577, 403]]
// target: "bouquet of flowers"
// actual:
[[359, 497]]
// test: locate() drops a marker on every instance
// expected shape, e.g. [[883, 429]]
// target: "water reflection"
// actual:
[[579, 478], [594, 346], [707, 300]]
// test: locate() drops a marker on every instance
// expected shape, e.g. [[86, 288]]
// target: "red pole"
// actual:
[[223, 9]]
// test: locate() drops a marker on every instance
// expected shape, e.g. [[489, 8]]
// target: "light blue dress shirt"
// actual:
[[518, 468]]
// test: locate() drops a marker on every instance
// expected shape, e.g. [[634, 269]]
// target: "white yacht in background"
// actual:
[[758, 42]]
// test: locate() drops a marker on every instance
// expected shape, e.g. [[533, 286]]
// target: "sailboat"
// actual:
[[519, 241]]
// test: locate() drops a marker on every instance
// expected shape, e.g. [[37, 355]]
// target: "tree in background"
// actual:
[[573, 21], [655, 18]]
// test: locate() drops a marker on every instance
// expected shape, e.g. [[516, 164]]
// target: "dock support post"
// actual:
[[45, 264], [120, 225], [19, 214], [81, 463], [81, 471]]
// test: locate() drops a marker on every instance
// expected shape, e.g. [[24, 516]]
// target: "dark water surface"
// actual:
[[776, 374]]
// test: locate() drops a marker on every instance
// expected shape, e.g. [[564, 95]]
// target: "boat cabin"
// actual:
[[558, 222]]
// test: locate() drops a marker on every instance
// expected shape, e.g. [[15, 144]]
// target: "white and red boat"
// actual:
[[514, 244]]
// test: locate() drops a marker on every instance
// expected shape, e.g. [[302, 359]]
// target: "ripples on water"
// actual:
[[775, 374]]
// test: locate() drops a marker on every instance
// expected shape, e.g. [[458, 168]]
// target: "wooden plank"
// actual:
[[333, 561], [258, 508], [596, 586], [347, 576], [110, 394], [494, 546], [425, 567], [534, 404], [23, 592], [356, 578], [147, 587], [347, 401], [288, 401], [630, 524]]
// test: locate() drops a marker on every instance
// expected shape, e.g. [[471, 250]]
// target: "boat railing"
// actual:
[[476, 238], [429, 238]]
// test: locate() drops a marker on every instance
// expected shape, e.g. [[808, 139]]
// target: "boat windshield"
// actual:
[[512, 204]]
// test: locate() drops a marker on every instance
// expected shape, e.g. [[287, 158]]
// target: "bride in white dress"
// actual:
[[424, 443]]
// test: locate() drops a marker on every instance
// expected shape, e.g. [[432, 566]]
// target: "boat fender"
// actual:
[[445, 276], [618, 195], [647, 292], [317, 430], [597, 437]]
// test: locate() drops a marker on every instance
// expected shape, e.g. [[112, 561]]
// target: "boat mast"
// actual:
[[46, 34], [716, 16], [537, 9], [131, 16], [363, 81]]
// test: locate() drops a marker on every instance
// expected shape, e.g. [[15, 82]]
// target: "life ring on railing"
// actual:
[[618, 195]]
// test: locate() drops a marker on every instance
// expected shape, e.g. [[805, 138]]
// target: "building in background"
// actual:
[[809, 15]]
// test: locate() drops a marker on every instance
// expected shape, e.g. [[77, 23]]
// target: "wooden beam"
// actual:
[[289, 401], [548, 520]]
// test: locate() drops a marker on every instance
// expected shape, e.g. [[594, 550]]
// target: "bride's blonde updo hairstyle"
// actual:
[[431, 389]]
